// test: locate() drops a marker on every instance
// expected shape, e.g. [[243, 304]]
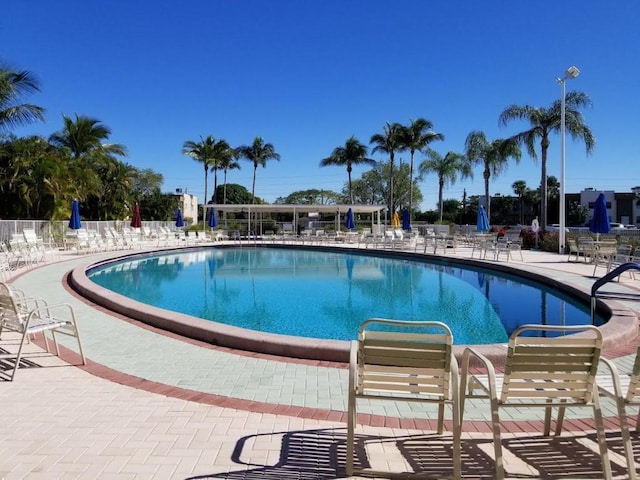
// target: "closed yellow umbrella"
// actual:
[[395, 220]]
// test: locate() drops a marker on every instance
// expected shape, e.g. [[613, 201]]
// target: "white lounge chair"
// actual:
[[18, 316], [540, 372], [412, 363], [36, 245]]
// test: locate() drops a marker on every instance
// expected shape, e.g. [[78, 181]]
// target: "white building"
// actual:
[[622, 207], [189, 206]]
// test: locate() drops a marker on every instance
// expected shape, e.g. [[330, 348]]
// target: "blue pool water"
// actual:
[[322, 294]]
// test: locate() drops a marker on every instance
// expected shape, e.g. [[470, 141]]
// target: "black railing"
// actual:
[[606, 279]]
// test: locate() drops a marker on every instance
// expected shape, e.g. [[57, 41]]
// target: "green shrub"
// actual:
[[549, 242]]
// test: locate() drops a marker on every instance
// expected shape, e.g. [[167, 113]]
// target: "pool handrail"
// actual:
[[616, 272]]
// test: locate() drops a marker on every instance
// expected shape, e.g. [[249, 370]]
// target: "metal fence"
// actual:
[[55, 232]]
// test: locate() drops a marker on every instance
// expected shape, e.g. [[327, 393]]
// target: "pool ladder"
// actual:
[[606, 279]]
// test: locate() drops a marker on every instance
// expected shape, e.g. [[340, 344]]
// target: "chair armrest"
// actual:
[[353, 365], [615, 378], [491, 372], [47, 311]]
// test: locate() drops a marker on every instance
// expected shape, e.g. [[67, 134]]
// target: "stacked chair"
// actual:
[[27, 317]]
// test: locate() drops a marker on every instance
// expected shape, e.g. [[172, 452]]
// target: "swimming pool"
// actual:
[[327, 294]]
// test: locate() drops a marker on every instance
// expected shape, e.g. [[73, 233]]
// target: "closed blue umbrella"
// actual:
[[599, 222], [350, 222], [406, 220], [179, 219], [213, 219], [483, 222], [74, 221]]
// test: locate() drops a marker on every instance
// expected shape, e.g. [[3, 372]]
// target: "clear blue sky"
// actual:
[[306, 75]]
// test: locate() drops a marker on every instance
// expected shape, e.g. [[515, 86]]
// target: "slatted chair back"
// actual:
[[561, 368], [404, 364], [11, 313]]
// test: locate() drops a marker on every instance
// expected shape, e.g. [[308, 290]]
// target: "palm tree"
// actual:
[[543, 122], [83, 141], [353, 153], [84, 136], [202, 152], [447, 169], [222, 153], [520, 188], [258, 153], [416, 137], [493, 156], [228, 163], [13, 85], [389, 142]]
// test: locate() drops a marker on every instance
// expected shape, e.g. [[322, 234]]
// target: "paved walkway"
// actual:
[[184, 410]]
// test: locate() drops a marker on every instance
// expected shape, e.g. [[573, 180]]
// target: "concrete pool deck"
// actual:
[[152, 405]]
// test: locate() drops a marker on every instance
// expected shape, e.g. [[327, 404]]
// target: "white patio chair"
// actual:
[[413, 363], [501, 246], [622, 255], [625, 391], [22, 255], [603, 254], [16, 315], [540, 372], [572, 246], [34, 245], [587, 247], [514, 244], [5, 263]]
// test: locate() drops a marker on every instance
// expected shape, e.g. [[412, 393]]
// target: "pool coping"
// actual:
[[620, 329]]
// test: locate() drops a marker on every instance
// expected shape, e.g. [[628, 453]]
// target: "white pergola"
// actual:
[[296, 210]]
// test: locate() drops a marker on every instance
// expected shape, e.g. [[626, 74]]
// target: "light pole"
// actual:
[[572, 72]]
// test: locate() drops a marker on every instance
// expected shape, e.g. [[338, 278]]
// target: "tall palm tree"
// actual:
[[543, 122], [520, 188], [203, 152], [259, 153], [447, 169], [83, 140], [353, 153], [494, 156], [416, 137], [389, 142], [13, 85], [228, 163], [222, 153], [85, 136]]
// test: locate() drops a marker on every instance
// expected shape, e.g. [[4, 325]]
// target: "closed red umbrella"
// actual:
[[136, 219]]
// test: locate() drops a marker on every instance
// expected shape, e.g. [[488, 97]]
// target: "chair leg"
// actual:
[[547, 421], [602, 440], [626, 438], [497, 441], [351, 422], [559, 421], [18, 356], [440, 419], [457, 433]]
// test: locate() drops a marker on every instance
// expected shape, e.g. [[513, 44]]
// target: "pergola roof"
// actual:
[[298, 208]]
